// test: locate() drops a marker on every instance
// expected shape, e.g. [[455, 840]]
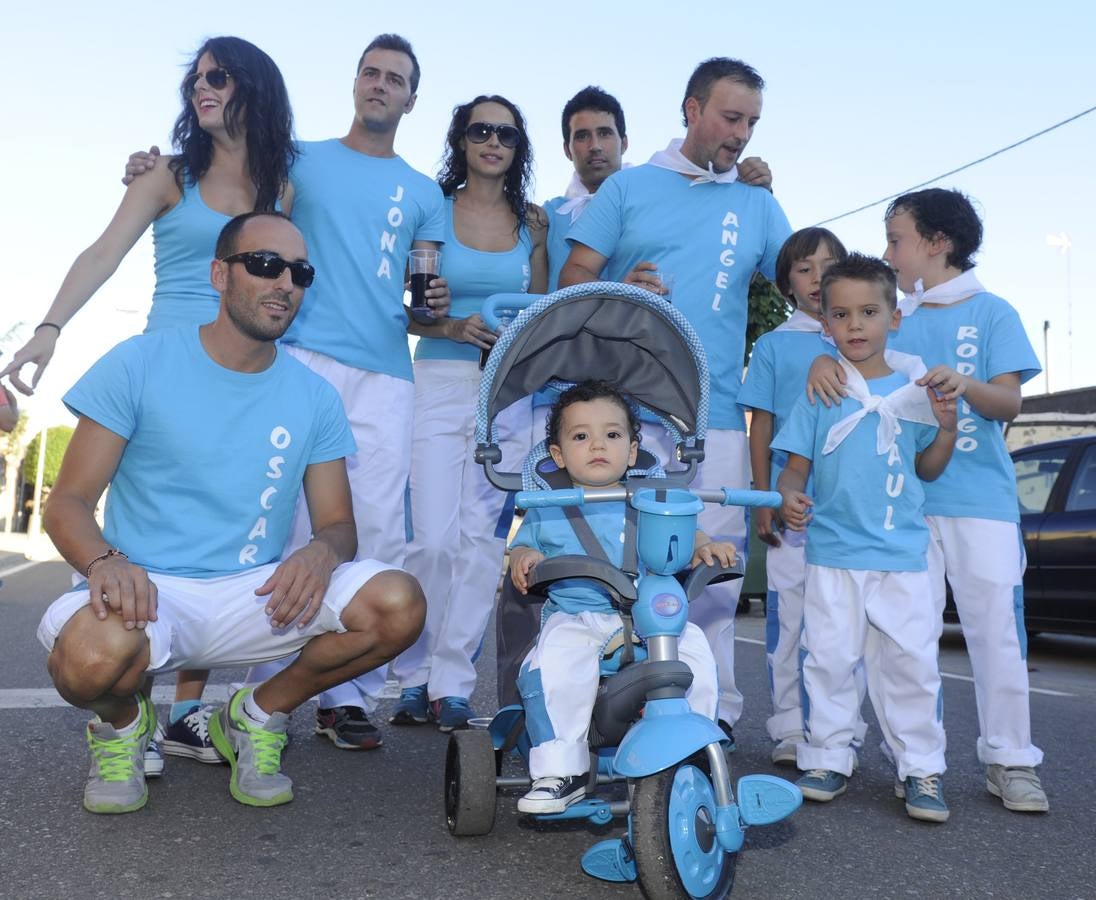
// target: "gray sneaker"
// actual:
[[255, 754], [116, 780], [1018, 787]]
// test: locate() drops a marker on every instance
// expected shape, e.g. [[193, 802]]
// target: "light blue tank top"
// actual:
[[473, 276], [183, 241]]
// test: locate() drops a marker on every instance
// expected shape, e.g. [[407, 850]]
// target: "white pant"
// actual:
[[559, 680], [726, 464], [984, 565], [455, 552], [380, 410], [887, 619], [786, 568], [212, 623]]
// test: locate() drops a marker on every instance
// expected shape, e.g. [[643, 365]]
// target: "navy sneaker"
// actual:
[[154, 754], [553, 795], [189, 737], [348, 727], [924, 798], [729, 744], [822, 785], [413, 708], [451, 713]]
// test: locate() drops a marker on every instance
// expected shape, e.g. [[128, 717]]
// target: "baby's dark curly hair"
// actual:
[[583, 392]]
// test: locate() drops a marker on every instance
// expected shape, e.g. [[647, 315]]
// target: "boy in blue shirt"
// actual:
[[867, 592], [593, 436], [774, 382], [978, 354]]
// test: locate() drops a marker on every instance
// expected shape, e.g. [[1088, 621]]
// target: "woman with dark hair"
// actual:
[[235, 145], [494, 243], [234, 138]]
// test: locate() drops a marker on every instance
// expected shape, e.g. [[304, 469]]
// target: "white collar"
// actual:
[[800, 321], [673, 159], [951, 291]]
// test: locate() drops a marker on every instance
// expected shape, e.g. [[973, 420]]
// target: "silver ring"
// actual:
[[104, 597]]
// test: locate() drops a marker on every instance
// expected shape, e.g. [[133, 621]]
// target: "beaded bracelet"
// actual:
[[111, 552]]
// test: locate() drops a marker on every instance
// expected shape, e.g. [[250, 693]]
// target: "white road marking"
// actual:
[[19, 567], [1047, 691], [47, 698]]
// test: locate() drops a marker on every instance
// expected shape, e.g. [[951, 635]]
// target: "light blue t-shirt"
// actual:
[[473, 276], [558, 248], [360, 215], [777, 377], [868, 508], [183, 243], [981, 337], [711, 237], [214, 458], [547, 530]]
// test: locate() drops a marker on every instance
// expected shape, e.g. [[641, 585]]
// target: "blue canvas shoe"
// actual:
[[451, 713], [413, 707], [822, 785], [924, 798]]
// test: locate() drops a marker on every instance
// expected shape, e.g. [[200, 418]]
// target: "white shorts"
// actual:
[[220, 623]]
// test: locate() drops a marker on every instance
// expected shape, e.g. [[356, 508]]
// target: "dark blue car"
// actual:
[[1056, 482]]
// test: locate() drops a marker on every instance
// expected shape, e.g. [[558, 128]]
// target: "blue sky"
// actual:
[[863, 100]]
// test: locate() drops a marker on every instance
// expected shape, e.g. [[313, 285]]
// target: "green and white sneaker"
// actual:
[[255, 754], [116, 780]]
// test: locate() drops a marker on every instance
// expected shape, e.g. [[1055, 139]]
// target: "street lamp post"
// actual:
[[1064, 244], [1046, 355]]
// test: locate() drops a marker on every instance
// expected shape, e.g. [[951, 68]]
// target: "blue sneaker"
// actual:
[[451, 713], [822, 785], [413, 708], [189, 737], [154, 754], [924, 797]]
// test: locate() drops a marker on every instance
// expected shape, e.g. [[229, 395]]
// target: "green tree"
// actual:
[[767, 309], [56, 444]]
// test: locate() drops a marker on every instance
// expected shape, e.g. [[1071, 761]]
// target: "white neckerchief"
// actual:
[[800, 321], [577, 198], [673, 159], [951, 291], [909, 402]]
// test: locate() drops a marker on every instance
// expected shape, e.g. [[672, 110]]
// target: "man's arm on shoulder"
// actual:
[[297, 586], [90, 462]]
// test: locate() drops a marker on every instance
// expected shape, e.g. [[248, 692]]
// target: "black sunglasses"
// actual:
[[266, 264], [479, 132], [215, 78]]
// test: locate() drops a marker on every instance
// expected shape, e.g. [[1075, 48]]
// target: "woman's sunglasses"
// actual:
[[265, 264], [480, 132], [215, 78]]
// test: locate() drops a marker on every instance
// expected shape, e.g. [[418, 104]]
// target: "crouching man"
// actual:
[[206, 436]]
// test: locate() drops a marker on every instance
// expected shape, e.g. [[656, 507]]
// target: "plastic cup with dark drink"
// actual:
[[424, 266]]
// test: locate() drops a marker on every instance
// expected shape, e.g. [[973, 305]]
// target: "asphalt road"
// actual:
[[371, 824]]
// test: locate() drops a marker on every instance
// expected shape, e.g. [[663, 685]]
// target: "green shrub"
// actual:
[[56, 444]]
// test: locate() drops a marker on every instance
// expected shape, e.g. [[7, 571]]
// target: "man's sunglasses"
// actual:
[[265, 264], [480, 132], [215, 78]]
